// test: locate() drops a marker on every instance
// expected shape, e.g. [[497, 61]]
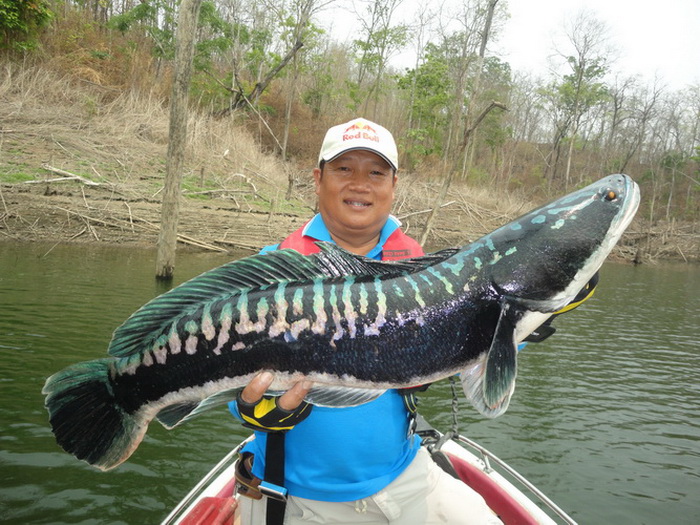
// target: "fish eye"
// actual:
[[610, 195]]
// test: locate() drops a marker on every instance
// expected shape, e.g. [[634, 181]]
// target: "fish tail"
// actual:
[[85, 417]]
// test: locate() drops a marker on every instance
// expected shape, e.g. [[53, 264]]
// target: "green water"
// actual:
[[605, 418]]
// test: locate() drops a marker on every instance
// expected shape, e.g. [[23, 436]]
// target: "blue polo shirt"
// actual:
[[343, 454]]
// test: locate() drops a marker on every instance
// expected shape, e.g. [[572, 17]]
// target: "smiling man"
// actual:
[[355, 184], [360, 464]]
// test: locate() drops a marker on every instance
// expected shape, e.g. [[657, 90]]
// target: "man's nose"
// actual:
[[360, 181]]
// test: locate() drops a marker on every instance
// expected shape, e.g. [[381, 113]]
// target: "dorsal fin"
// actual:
[[225, 281], [251, 272], [345, 263]]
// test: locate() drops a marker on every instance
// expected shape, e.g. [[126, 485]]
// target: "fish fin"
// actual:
[[225, 281], [173, 415], [489, 382], [501, 364], [431, 258], [139, 331], [473, 385], [85, 417], [340, 262], [332, 396]]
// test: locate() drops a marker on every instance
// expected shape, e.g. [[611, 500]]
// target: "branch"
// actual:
[[411, 214], [66, 175], [482, 116], [260, 86], [241, 99], [215, 79]]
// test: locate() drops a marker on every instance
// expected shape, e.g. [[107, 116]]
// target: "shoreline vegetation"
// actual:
[[85, 90], [77, 166]]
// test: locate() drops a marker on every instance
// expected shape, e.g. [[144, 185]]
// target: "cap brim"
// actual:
[[366, 148]]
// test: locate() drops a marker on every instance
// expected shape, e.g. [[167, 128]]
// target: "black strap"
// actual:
[[274, 474]]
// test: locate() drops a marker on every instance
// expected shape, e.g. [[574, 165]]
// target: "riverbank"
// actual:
[[61, 209], [80, 164]]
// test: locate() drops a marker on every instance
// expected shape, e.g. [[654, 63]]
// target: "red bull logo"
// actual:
[[360, 130]]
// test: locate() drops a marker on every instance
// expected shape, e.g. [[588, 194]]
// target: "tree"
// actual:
[[295, 21], [428, 89], [318, 82], [472, 123], [21, 21], [630, 121], [170, 209], [581, 88], [380, 41]]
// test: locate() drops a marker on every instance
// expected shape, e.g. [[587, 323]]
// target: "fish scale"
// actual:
[[353, 326]]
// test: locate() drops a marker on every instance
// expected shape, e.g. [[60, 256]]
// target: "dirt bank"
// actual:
[[71, 211]]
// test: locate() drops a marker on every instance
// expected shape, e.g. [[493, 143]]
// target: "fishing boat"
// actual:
[[213, 501]]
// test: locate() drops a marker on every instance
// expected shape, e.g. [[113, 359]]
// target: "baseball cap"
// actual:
[[359, 133]]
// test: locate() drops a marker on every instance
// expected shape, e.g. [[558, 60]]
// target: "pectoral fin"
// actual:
[[490, 381], [501, 364]]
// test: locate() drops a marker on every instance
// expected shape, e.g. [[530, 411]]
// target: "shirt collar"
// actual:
[[316, 229]]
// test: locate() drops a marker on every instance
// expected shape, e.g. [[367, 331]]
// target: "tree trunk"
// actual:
[[447, 181], [470, 127], [177, 135]]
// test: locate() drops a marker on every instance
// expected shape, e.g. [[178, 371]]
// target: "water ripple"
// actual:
[[605, 417]]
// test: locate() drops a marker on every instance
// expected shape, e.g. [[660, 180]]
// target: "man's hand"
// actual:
[[273, 414]]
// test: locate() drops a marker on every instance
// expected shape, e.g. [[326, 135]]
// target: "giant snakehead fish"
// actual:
[[353, 326]]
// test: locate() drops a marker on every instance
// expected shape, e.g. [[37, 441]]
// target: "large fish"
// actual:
[[353, 326]]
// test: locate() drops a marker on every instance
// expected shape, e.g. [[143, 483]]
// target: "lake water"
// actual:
[[605, 418]]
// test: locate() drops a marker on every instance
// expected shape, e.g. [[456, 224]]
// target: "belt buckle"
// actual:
[[273, 491]]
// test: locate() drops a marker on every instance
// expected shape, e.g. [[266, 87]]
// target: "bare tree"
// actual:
[[582, 88], [170, 209], [471, 123], [641, 112]]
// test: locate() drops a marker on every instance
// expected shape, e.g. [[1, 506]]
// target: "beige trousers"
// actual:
[[422, 495]]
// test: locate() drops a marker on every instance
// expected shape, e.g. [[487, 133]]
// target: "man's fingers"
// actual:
[[254, 391], [290, 400], [293, 397]]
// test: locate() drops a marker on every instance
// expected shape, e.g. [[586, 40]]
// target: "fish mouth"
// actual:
[[632, 199]]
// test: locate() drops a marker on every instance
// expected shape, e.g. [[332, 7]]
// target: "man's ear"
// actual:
[[318, 173]]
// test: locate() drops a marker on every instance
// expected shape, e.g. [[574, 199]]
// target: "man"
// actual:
[[358, 464]]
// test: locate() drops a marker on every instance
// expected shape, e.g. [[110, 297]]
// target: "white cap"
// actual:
[[359, 133]]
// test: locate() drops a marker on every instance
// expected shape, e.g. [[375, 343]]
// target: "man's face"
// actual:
[[356, 191]]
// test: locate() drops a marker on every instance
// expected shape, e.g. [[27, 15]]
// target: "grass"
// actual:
[[119, 137], [16, 177]]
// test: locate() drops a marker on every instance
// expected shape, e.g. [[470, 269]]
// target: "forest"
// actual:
[[288, 69]]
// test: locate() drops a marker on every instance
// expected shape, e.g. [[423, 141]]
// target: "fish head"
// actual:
[[544, 258]]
